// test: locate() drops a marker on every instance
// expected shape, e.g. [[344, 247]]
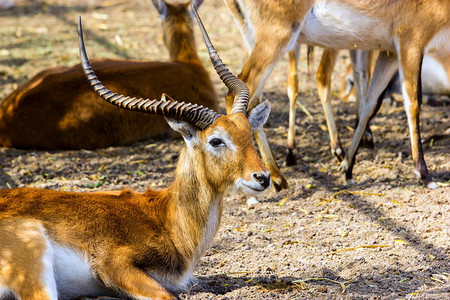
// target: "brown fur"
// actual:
[[128, 235], [413, 23], [57, 108], [22, 244], [440, 55], [274, 23]]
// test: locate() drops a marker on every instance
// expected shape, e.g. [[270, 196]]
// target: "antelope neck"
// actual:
[[181, 43], [197, 208]]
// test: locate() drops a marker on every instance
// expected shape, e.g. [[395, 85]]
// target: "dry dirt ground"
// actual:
[[385, 237]]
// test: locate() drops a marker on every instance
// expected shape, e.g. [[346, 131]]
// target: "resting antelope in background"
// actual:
[[56, 109], [403, 27], [64, 245]]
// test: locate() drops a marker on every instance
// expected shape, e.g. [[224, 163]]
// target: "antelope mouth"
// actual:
[[250, 187], [254, 188]]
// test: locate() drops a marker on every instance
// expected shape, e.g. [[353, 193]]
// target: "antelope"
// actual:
[[57, 110], [65, 245], [399, 29], [270, 29], [435, 76], [436, 72]]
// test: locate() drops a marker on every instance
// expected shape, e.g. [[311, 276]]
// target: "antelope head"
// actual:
[[219, 148], [178, 32]]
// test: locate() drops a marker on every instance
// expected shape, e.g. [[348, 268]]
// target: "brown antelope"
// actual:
[[270, 29], [401, 27], [56, 109], [64, 245], [435, 75]]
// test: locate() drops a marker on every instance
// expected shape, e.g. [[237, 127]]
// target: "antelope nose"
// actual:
[[262, 178]]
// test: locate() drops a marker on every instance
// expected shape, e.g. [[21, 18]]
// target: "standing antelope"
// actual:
[[270, 29], [57, 110], [436, 71], [403, 27], [64, 245], [435, 75]]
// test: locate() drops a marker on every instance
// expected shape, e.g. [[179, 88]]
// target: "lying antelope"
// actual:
[[64, 245], [56, 109], [400, 27]]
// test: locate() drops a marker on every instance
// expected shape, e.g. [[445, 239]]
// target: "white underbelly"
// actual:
[[73, 275], [334, 25], [435, 79]]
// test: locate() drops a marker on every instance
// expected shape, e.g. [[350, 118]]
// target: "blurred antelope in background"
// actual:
[[435, 75], [402, 28], [270, 29], [56, 109], [64, 245]]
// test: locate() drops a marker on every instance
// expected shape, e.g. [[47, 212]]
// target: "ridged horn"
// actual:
[[195, 114], [236, 86]]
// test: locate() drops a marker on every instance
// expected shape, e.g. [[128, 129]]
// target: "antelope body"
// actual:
[[436, 71], [435, 76], [63, 245], [403, 27], [56, 109]]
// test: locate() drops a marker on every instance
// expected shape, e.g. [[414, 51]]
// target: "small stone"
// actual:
[[252, 202]]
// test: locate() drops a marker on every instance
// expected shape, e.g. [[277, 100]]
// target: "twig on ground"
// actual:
[[360, 247], [305, 110], [226, 273], [333, 197], [342, 284]]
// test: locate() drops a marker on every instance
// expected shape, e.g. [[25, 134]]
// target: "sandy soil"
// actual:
[[385, 237]]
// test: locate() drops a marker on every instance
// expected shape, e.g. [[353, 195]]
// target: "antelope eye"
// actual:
[[216, 142]]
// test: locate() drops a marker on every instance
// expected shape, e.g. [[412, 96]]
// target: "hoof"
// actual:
[[426, 179], [367, 142], [339, 153], [280, 183], [349, 181], [290, 158]]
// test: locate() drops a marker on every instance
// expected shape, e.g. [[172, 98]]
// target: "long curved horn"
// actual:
[[195, 114], [236, 86]]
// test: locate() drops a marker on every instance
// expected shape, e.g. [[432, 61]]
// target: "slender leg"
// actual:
[[384, 70], [348, 90], [122, 274], [26, 260], [361, 60], [255, 72], [323, 77], [269, 161], [292, 91], [268, 37], [410, 60]]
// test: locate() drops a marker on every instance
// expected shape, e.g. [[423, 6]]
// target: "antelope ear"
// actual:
[[187, 131], [161, 7], [259, 115]]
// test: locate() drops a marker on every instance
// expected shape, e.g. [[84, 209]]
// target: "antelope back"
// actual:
[[57, 109]]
